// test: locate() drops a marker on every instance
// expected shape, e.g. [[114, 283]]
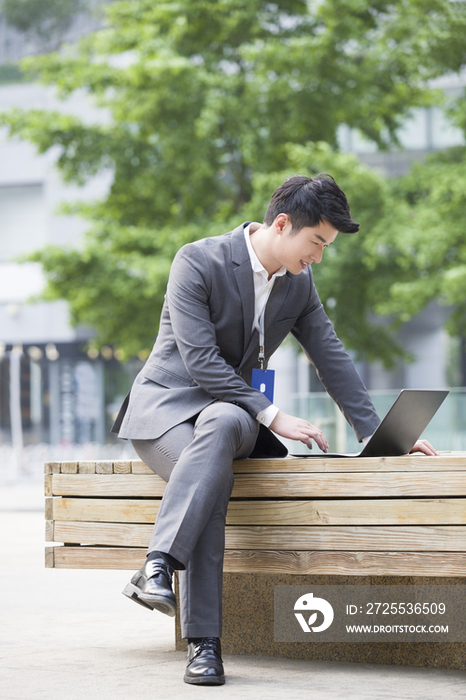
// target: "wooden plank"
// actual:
[[383, 538], [104, 467], [347, 563], [49, 531], [412, 511], [422, 484], [122, 467], [138, 467], [112, 534], [427, 484], [450, 461], [69, 468], [272, 562], [447, 511], [86, 467], [129, 485], [123, 510], [48, 468], [48, 508], [98, 558], [49, 557], [48, 484], [379, 538]]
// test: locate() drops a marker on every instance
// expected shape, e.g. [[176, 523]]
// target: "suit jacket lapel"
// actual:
[[244, 281]]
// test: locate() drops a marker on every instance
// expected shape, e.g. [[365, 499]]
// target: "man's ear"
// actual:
[[280, 222]]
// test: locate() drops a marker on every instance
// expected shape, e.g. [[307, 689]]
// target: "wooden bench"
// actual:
[[290, 521], [399, 516]]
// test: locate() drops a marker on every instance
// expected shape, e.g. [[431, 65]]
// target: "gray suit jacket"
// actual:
[[206, 347]]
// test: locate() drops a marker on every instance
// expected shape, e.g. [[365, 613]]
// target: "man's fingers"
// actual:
[[298, 429], [312, 433], [425, 447]]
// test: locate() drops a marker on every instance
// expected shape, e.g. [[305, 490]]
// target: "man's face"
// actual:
[[296, 251]]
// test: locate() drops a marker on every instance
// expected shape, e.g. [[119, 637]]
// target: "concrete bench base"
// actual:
[[248, 624]]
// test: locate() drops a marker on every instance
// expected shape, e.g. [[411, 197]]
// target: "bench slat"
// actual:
[[347, 563], [351, 485], [106, 485], [114, 510], [289, 562], [381, 538], [421, 484], [450, 461], [437, 538], [447, 511]]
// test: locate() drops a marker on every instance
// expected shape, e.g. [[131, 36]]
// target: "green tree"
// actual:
[[431, 247], [204, 101]]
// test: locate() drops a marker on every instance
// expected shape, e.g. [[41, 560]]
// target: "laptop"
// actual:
[[404, 423]]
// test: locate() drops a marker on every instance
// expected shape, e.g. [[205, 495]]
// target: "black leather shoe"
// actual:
[[205, 665], [151, 587]]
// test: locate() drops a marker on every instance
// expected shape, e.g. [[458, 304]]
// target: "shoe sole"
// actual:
[[150, 602], [204, 680]]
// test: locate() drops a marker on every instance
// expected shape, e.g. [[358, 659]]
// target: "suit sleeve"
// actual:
[[335, 368], [188, 292]]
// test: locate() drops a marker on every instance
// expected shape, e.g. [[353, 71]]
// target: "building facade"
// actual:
[[52, 388]]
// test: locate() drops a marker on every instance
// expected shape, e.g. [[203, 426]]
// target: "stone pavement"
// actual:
[[71, 635]]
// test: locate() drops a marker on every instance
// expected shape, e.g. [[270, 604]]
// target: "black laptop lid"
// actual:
[[404, 423]]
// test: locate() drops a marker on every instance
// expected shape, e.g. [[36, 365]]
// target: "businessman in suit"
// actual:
[[231, 301]]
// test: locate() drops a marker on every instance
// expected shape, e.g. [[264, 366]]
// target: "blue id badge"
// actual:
[[264, 380]]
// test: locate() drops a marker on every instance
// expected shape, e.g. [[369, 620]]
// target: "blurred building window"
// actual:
[[23, 220]]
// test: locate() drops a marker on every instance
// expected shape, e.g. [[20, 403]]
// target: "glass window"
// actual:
[[22, 220]]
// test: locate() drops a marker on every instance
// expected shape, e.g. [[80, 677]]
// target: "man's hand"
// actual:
[[425, 447], [298, 429]]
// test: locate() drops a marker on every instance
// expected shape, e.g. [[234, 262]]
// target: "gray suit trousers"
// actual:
[[195, 459]]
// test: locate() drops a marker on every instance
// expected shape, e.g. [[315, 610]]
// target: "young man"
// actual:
[[231, 301]]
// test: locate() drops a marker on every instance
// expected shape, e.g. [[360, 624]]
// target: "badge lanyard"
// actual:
[[262, 340], [263, 379]]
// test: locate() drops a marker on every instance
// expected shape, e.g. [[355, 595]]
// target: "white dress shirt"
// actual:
[[262, 288]]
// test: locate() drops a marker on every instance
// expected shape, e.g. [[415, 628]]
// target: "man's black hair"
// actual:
[[308, 201]]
